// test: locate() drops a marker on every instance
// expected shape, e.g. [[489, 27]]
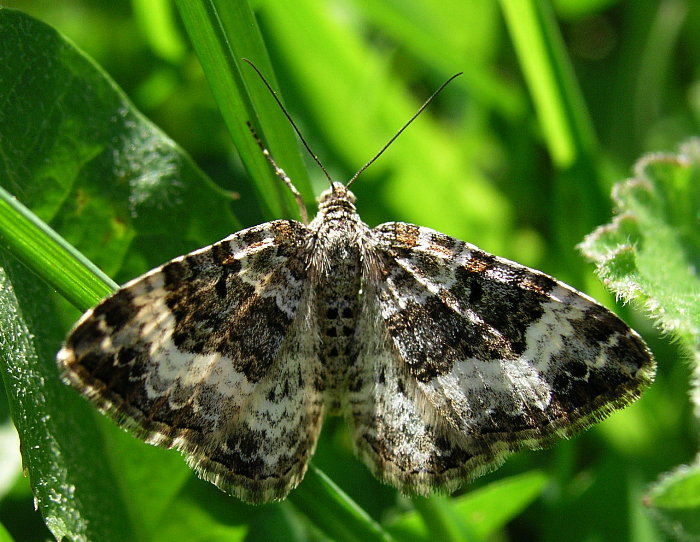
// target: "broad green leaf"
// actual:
[[61, 450], [83, 158], [77, 153]]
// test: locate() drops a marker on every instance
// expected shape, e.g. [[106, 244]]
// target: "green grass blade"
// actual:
[[476, 515], [223, 33], [421, 26], [566, 125], [442, 521], [155, 17], [491, 507], [332, 511], [578, 203], [4, 535], [42, 250]]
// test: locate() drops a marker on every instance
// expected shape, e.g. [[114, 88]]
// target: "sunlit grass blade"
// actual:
[[49, 256], [223, 33], [334, 512], [475, 516], [566, 125], [5, 536], [578, 202], [441, 520]]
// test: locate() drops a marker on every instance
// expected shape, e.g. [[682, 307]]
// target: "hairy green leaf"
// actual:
[[650, 255], [675, 501]]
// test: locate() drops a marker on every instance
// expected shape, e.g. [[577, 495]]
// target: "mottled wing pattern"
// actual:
[[468, 357], [195, 356]]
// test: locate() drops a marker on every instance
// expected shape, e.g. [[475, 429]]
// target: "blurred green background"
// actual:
[[484, 163]]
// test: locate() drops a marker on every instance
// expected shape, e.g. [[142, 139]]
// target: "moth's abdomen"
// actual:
[[338, 329], [337, 305]]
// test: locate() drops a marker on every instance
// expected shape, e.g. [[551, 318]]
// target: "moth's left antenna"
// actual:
[[281, 174], [291, 121]]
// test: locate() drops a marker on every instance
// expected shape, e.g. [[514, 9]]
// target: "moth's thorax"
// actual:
[[336, 266], [339, 235]]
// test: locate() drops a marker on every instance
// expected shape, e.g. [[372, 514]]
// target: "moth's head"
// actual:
[[336, 192]]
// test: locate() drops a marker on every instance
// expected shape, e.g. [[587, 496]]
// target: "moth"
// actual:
[[442, 357]]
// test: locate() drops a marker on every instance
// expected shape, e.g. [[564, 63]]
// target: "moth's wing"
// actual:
[[477, 357], [213, 354]]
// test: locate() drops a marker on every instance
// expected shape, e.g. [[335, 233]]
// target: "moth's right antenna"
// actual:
[[290, 119], [414, 117]]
